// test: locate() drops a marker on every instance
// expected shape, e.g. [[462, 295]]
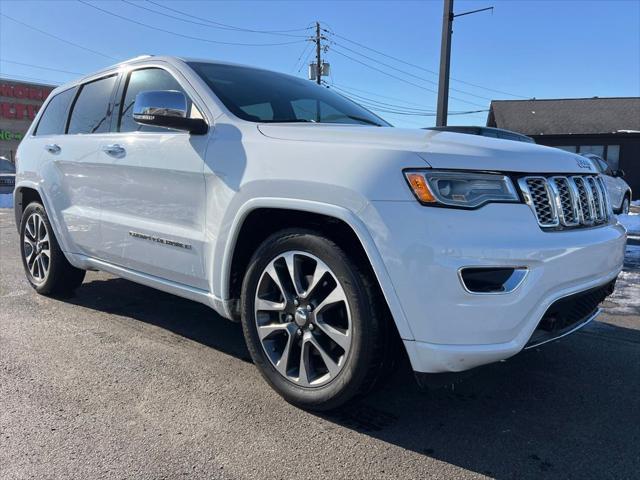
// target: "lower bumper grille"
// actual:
[[568, 313]]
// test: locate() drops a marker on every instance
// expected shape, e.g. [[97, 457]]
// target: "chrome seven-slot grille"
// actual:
[[566, 201]]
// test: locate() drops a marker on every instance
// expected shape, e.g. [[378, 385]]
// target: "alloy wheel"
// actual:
[[625, 207], [36, 247], [303, 319]]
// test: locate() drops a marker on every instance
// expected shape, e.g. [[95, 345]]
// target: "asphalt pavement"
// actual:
[[122, 381]]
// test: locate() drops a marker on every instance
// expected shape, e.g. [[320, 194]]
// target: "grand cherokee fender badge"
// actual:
[[163, 241]]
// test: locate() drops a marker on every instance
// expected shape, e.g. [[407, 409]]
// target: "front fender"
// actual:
[[223, 255]]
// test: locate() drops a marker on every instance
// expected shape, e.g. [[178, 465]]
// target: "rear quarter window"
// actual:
[[54, 117]]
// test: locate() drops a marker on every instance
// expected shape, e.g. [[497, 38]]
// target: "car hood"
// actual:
[[440, 149]]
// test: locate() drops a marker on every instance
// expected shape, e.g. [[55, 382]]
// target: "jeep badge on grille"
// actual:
[[583, 163]]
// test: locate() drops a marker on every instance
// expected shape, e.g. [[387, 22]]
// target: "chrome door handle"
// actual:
[[114, 150], [53, 148]]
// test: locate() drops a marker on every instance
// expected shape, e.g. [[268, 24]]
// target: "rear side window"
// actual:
[[54, 118], [91, 110], [139, 81]]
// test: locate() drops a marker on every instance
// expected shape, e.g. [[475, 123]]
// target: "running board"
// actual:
[[181, 290]]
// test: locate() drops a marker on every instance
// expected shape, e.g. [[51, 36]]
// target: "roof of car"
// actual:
[[567, 115], [147, 58]]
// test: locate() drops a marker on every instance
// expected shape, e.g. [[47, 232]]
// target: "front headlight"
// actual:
[[460, 189]]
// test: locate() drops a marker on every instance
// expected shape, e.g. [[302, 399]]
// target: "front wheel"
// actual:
[[47, 269], [624, 210], [311, 320]]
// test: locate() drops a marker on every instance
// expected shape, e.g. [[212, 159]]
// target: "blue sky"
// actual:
[[542, 49]]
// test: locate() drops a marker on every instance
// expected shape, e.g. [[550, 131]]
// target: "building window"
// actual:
[[569, 148], [613, 156], [595, 149]]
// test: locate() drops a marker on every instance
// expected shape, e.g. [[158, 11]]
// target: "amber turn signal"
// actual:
[[420, 188]]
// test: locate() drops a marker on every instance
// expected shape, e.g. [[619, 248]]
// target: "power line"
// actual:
[[304, 53], [422, 68], [401, 79], [40, 67], [389, 108], [378, 102], [306, 59], [56, 37], [409, 73], [229, 27], [349, 87], [207, 23], [189, 37]]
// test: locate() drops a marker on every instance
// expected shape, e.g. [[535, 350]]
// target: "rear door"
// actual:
[[67, 157], [77, 162], [153, 187]]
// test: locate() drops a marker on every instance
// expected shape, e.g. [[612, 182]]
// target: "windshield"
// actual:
[[264, 96]]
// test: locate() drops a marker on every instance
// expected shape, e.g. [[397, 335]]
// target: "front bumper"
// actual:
[[453, 330]]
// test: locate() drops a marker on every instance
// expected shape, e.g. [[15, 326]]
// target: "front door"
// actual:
[[153, 193]]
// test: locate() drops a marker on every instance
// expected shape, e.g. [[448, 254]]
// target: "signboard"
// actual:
[[19, 105]]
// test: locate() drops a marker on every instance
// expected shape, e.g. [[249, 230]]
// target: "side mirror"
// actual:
[[166, 108], [618, 173]]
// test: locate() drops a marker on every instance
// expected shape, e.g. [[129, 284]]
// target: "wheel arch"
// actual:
[[26, 192], [23, 195], [272, 215], [627, 194]]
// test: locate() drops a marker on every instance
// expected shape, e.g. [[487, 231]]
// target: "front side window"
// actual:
[[264, 96], [91, 110], [146, 79], [54, 118], [613, 156]]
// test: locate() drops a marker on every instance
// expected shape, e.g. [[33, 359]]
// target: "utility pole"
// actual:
[[445, 60], [318, 55]]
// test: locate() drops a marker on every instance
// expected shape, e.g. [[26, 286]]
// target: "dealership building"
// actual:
[[608, 127], [19, 104]]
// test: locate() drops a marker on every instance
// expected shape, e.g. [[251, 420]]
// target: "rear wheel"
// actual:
[[46, 267], [310, 320]]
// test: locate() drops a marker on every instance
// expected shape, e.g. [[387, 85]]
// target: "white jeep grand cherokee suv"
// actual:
[[326, 232]]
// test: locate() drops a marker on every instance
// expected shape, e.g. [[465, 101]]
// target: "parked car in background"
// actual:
[[619, 190], [486, 132], [334, 238], [7, 175]]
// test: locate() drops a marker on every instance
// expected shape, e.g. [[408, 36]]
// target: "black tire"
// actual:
[[59, 277], [365, 359], [626, 204]]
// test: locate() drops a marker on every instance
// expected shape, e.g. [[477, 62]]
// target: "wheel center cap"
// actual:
[[301, 317]]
